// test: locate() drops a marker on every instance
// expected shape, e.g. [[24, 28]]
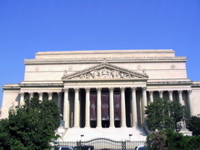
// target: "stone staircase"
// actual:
[[118, 134]]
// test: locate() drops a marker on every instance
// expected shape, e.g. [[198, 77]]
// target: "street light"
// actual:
[[130, 137], [82, 136]]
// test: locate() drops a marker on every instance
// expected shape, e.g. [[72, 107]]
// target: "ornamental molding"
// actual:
[[41, 85], [99, 59], [104, 71], [170, 83]]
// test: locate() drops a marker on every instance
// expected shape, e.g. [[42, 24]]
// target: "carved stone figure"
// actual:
[[104, 73], [65, 72]]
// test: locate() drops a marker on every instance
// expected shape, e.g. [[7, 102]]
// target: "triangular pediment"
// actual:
[[104, 71]]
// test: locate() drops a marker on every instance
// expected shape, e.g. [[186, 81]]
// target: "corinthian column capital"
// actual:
[[133, 88], [111, 89], [122, 89], [87, 89], [98, 89], [66, 89], [179, 91], [189, 92], [22, 93], [144, 88], [76, 89]]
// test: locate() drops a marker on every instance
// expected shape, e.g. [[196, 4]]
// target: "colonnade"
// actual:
[[40, 96], [170, 92], [99, 107], [65, 103]]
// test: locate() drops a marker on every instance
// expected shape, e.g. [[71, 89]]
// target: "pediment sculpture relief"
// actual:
[[104, 73]]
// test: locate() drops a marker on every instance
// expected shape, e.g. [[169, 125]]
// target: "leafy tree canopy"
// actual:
[[193, 124], [164, 114], [170, 140], [30, 126]]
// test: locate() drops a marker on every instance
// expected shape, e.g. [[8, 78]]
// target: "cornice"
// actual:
[[108, 59], [196, 84], [127, 51], [11, 87], [170, 83], [41, 85], [19, 86]]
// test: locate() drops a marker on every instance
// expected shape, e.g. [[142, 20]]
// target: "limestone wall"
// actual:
[[195, 101], [98, 54], [10, 99], [155, 71]]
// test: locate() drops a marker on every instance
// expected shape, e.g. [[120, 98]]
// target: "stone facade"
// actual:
[[72, 78]]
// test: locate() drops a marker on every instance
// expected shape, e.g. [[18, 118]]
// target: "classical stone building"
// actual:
[[100, 93]]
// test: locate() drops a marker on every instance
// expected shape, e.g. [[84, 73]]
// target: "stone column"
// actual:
[[123, 108], [134, 107], [59, 100], [99, 108], [112, 119], [144, 98], [50, 95], [190, 103], [170, 95], [87, 108], [22, 99], [180, 97], [31, 95], [161, 94], [77, 109], [151, 96], [40, 96], [66, 106]]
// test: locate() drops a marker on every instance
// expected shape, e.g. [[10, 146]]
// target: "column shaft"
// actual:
[[170, 95], [50, 96], [22, 99], [99, 108], [134, 107], [151, 96], [66, 106], [112, 121], [144, 96], [40, 96], [87, 108], [190, 103], [123, 108], [180, 97], [30, 96], [76, 109], [161, 94], [59, 104]]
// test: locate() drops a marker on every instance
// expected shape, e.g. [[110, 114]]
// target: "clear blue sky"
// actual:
[[29, 26]]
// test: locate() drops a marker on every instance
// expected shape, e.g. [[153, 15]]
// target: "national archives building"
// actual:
[[107, 89]]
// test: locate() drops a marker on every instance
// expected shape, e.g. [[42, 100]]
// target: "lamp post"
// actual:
[[82, 136], [130, 137], [80, 144]]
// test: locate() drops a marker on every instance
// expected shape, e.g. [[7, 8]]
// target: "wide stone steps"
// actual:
[[119, 134]]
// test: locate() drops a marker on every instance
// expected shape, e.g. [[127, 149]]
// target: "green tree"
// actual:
[[164, 114], [4, 134], [157, 141], [31, 126], [193, 124], [170, 140]]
